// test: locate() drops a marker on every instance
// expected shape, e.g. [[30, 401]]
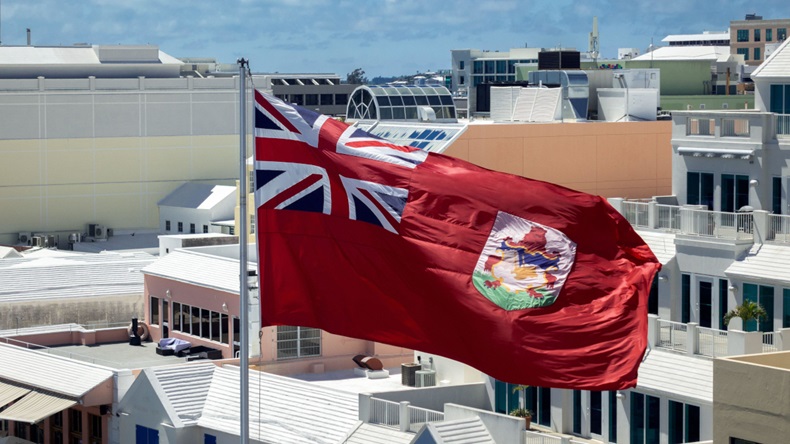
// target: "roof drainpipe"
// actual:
[[28, 36]]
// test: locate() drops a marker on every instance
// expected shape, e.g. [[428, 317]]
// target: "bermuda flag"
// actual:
[[528, 282]]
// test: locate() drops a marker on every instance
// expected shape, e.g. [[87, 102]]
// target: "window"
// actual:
[[461, 64], [209, 439], [490, 67], [699, 189], [763, 295], [743, 35], [723, 288], [176, 316], [326, 99], [505, 398], [781, 34], [683, 423], [56, 427], [734, 192], [75, 425], [652, 300], [596, 413], [501, 66], [154, 310], [462, 80], [744, 52], [341, 99], [645, 419], [613, 416], [477, 67], [195, 320], [776, 195], [298, 342], [205, 228], [577, 412], [538, 400], [205, 323], [756, 35], [786, 308], [757, 54], [192, 228], [37, 433], [685, 298], [223, 322], [769, 35], [215, 329], [180, 227], [167, 225], [20, 429], [311, 99], [144, 435], [96, 428]]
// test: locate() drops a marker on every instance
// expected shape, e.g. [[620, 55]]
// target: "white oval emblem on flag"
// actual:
[[524, 264]]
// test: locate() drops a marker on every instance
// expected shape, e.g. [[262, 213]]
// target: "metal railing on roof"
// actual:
[[779, 228]]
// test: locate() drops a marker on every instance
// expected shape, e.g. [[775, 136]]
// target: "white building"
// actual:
[[196, 208]]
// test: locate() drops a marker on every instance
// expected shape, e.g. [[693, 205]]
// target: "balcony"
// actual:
[[783, 125], [690, 220], [734, 128], [690, 338]]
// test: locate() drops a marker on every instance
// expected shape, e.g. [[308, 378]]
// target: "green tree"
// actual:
[[357, 77], [748, 311]]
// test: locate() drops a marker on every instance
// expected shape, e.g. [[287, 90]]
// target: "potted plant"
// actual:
[[748, 311], [521, 412]]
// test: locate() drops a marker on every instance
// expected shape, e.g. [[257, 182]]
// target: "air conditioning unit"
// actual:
[[426, 378], [24, 237], [37, 241], [100, 232]]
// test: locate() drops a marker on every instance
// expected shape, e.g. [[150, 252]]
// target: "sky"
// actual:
[[383, 37]]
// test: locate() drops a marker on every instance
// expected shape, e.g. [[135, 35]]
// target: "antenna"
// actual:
[[594, 46]]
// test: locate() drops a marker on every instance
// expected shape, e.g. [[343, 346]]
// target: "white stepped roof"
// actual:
[[768, 262], [687, 378], [662, 244], [205, 270], [281, 409], [50, 278], [186, 387], [777, 65], [462, 431], [48, 372]]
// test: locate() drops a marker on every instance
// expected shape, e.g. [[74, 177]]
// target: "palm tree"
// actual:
[[748, 311]]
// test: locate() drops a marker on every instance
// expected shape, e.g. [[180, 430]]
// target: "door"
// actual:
[[596, 416], [705, 302]]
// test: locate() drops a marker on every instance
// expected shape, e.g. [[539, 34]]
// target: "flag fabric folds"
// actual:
[[529, 282]]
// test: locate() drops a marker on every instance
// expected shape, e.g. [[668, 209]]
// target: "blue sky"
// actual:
[[383, 37]]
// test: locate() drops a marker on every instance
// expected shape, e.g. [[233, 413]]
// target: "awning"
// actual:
[[9, 393], [36, 406], [716, 152]]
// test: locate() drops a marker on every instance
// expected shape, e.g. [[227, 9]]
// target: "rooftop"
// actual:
[[712, 53], [199, 196]]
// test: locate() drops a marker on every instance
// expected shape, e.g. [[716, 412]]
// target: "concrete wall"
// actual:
[[77, 151], [750, 399], [503, 428], [112, 309], [617, 159], [682, 103]]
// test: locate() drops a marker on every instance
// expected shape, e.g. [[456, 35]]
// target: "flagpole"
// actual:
[[244, 400]]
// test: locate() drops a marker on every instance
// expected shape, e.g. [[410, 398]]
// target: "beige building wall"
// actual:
[[750, 398], [610, 159]]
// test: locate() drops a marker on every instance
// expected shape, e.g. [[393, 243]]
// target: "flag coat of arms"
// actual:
[[529, 282]]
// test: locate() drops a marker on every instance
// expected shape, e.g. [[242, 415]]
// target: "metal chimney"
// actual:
[[28, 36]]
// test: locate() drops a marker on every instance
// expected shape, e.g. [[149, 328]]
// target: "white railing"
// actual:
[[734, 127], [718, 224], [712, 342], [783, 124], [388, 414], [769, 344], [672, 335], [636, 213], [57, 352], [779, 228], [668, 217], [542, 438], [419, 416], [384, 413]]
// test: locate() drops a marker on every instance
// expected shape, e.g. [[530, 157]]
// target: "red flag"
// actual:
[[528, 282]]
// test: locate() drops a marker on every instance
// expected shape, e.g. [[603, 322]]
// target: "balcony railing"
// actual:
[[783, 124], [712, 342], [718, 224], [668, 217], [769, 342], [401, 415], [636, 213], [779, 228], [673, 335]]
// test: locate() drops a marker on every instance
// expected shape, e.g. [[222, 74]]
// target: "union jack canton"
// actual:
[[288, 177]]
